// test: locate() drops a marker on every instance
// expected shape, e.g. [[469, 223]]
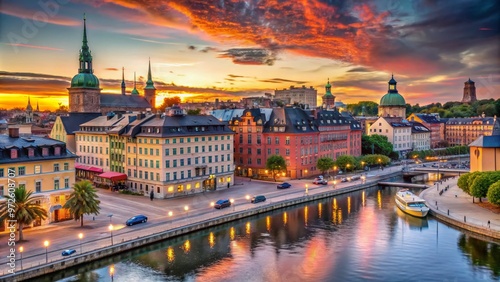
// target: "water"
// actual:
[[359, 236]]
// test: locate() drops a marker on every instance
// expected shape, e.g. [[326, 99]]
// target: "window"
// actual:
[[38, 186], [21, 170], [56, 167], [66, 182], [1, 190], [13, 153], [277, 140], [287, 140], [167, 163], [66, 166], [268, 140], [167, 152], [56, 184], [1, 172], [167, 176]]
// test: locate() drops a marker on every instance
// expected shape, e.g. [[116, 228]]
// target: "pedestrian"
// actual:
[[488, 224], [152, 195], [228, 185]]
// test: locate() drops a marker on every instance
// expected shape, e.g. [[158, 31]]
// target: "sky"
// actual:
[[229, 49]]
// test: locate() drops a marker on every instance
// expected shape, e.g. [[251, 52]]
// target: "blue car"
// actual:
[[220, 204], [68, 252], [284, 185], [136, 220]]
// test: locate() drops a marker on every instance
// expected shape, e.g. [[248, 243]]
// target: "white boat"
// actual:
[[411, 203]]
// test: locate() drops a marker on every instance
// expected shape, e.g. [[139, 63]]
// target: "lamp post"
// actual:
[[307, 190], [247, 197], [380, 163], [334, 183], [46, 244], [232, 203], [186, 208], [362, 165], [111, 232], [112, 272], [21, 249], [81, 237], [347, 167]]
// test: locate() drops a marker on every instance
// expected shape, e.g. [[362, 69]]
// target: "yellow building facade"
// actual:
[[485, 150], [40, 165]]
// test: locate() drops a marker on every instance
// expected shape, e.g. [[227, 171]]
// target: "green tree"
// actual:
[[276, 164], [169, 102], [23, 208], [482, 182], [493, 194], [83, 200], [372, 160], [194, 112], [324, 164], [463, 184], [345, 162], [379, 143], [368, 108]]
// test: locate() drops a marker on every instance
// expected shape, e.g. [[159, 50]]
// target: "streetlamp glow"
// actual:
[[170, 213], [111, 232], [232, 203], [334, 183], [21, 249], [81, 237], [186, 208], [307, 190], [247, 197], [212, 204], [46, 244]]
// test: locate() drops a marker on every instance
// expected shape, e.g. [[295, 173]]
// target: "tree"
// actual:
[[324, 164], [169, 102], [194, 112], [23, 208], [367, 108], [63, 109], [345, 162], [493, 194], [374, 160], [83, 200], [462, 182], [379, 143], [479, 188], [276, 164]]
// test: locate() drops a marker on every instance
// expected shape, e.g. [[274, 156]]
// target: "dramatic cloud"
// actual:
[[250, 56], [281, 80]]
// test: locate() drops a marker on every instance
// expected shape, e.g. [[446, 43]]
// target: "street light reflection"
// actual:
[[170, 255], [211, 240]]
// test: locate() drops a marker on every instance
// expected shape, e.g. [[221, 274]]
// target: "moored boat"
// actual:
[[411, 203]]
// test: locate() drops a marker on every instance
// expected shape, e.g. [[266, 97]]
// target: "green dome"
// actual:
[[393, 99], [85, 80]]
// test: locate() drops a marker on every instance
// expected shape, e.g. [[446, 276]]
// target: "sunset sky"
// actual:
[[228, 49]]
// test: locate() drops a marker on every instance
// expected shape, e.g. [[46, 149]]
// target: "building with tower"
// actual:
[[29, 112], [328, 98], [85, 94], [392, 104], [469, 92], [298, 95]]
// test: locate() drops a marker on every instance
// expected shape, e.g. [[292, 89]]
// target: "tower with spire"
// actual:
[[134, 91], [150, 90], [84, 93], [29, 112], [124, 87], [328, 98], [469, 92], [392, 104]]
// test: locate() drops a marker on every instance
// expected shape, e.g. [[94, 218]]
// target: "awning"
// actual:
[[115, 176], [89, 168], [55, 207]]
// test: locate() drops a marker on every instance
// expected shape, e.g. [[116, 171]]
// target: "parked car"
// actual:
[[284, 185], [320, 182], [343, 179], [258, 199], [68, 252], [220, 204], [136, 220]]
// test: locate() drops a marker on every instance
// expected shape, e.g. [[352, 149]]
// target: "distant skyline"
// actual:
[[202, 50]]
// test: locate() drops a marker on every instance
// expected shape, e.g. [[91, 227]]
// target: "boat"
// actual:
[[411, 203]]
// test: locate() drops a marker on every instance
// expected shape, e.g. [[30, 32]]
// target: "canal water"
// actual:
[[360, 236]]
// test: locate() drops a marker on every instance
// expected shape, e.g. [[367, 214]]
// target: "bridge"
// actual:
[[404, 185], [441, 170]]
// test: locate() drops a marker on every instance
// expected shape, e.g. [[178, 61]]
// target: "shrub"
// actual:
[[493, 194]]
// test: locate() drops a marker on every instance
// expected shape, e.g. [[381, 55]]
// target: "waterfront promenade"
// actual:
[[97, 236]]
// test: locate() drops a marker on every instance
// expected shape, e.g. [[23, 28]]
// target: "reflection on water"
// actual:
[[359, 236]]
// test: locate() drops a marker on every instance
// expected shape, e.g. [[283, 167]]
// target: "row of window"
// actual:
[[37, 169], [176, 175], [38, 186]]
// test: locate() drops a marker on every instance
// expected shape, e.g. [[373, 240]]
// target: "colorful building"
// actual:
[[41, 165], [485, 150], [433, 123]]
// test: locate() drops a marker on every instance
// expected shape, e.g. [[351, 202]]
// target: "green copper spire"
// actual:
[[85, 77], [149, 83], [328, 89], [134, 91]]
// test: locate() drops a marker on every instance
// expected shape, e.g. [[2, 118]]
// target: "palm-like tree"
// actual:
[[22, 208], [83, 200]]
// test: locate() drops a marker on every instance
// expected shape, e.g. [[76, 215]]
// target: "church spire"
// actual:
[[149, 83], [123, 81], [85, 54], [37, 108], [134, 91], [29, 107]]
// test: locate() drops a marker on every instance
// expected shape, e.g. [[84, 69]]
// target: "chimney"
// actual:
[[14, 132]]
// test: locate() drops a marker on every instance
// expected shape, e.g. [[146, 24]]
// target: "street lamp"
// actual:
[[111, 232], [247, 197], [186, 208], [334, 171], [112, 272], [21, 249], [380, 163], [81, 237], [347, 167], [307, 189], [46, 244], [232, 203], [362, 165], [334, 183]]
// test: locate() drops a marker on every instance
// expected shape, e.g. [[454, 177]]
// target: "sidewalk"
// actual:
[[456, 207]]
